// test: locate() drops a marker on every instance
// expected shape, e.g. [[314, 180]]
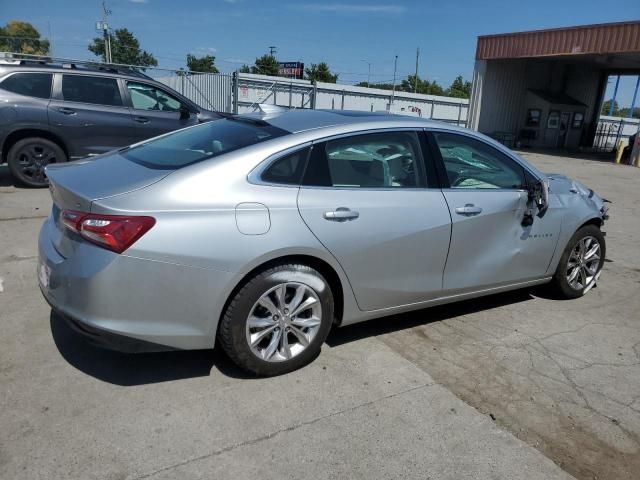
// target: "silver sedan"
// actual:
[[264, 231]]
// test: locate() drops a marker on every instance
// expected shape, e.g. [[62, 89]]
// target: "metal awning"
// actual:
[[602, 39]]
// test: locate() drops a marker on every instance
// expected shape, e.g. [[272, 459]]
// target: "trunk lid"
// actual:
[[75, 185]]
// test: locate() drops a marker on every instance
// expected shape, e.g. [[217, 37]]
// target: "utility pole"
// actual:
[[395, 68], [368, 74], [51, 39], [415, 80], [272, 51], [104, 26]]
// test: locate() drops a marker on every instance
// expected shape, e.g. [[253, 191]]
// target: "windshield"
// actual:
[[202, 142]]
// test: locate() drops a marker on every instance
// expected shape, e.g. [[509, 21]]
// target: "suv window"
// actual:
[[471, 163], [204, 141], [375, 160], [30, 84], [86, 89], [146, 97], [288, 169]]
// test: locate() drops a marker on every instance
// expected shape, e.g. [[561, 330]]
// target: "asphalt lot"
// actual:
[[513, 386]]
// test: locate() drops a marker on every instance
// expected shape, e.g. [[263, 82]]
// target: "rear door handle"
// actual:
[[141, 119], [67, 111], [341, 214], [468, 210]]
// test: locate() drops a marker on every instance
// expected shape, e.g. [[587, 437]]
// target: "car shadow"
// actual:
[[126, 369], [396, 323]]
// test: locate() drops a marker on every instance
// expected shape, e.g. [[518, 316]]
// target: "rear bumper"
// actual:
[[105, 339], [127, 303]]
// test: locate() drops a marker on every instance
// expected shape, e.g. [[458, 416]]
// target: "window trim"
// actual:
[[11, 74], [444, 179], [422, 179], [59, 95]]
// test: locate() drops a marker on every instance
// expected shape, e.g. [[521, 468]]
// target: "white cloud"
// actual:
[[206, 49], [139, 1], [350, 8]]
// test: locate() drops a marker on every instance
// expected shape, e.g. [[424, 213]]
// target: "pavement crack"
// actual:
[[270, 435]]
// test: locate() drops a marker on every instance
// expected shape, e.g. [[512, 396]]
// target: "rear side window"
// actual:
[[202, 142], [36, 85], [375, 160], [86, 89], [146, 97], [287, 170]]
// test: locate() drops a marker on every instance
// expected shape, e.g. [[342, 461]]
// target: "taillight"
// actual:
[[113, 232]]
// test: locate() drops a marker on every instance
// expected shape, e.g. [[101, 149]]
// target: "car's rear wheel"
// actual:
[[278, 320], [27, 159], [580, 263]]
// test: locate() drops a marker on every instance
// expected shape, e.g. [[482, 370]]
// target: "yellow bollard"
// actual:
[[635, 151], [619, 151]]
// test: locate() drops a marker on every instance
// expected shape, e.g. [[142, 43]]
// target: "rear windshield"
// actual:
[[202, 142]]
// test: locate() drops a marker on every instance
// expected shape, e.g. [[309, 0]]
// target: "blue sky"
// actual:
[[342, 33]]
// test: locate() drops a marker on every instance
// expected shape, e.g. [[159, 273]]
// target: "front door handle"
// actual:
[[341, 214], [468, 210], [141, 119], [67, 111]]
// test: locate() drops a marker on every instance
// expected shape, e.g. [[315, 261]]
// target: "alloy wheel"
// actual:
[[32, 160], [583, 263], [283, 322]]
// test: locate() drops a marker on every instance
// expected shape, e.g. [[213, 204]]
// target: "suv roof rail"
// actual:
[[11, 58]]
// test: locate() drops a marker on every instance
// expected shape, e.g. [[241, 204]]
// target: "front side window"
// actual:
[[146, 97], [87, 89], [470, 163], [202, 142], [29, 84], [375, 160]]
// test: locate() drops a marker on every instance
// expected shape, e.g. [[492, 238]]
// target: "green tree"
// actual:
[[424, 86], [459, 88], [204, 64], [606, 106], [125, 49], [22, 37], [245, 69], [266, 65], [320, 73], [383, 86], [624, 112]]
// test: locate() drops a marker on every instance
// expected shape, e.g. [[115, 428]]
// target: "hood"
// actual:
[[76, 184], [563, 185]]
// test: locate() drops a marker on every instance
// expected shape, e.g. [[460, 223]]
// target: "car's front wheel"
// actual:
[[278, 320], [580, 263], [27, 159]]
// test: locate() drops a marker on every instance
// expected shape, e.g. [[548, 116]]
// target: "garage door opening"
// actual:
[[619, 116]]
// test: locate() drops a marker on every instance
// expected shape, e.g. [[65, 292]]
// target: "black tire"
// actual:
[[232, 333], [560, 284], [28, 157]]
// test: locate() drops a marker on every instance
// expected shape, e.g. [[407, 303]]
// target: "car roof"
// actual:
[[301, 120], [80, 70]]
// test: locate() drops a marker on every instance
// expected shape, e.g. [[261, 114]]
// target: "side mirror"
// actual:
[[538, 196], [184, 112]]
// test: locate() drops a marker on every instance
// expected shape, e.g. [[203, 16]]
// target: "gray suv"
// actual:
[[51, 113]]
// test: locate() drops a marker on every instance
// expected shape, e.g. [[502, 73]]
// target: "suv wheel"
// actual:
[[27, 159], [278, 321], [580, 263]]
